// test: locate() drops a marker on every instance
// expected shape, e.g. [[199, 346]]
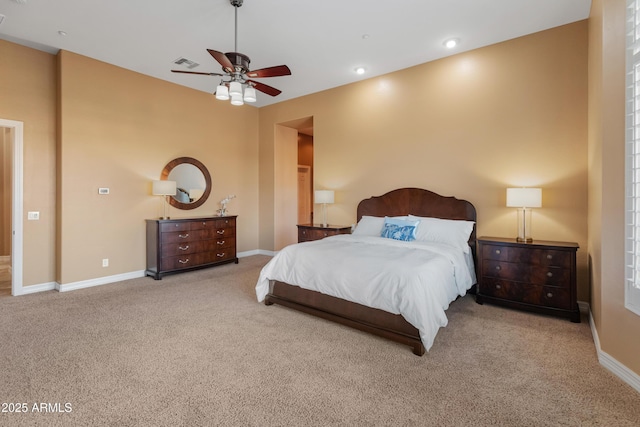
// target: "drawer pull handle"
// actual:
[[549, 295], [183, 261], [549, 274], [497, 251], [220, 242], [183, 236], [498, 267], [183, 248], [498, 287], [220, 255], [549, 256], [220, 231]]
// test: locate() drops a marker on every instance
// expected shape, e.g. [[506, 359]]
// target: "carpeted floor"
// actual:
[[197, 349]]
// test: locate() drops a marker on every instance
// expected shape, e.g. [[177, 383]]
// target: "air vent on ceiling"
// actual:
[[186, 63]]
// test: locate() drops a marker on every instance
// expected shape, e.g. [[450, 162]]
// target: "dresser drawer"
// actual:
[[203, 225], [527, 256], [539, 275], [174, 226], [181, 248], [545, 296], [225, 222], [181, 261], [180, 236]]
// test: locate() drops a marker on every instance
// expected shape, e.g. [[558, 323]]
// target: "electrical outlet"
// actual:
[[105, 262], [31, 216]]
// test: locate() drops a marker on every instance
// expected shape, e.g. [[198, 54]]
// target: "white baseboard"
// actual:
[[43, 287], [608, 362], [99, 281]]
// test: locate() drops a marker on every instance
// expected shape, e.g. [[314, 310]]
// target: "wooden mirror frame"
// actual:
[[207, 177]]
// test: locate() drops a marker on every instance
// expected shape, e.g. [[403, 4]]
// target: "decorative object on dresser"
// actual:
[[538, 276], [524, 199], [164, 189], [309, 232], [324, 197], [179, 245], [223, 210]]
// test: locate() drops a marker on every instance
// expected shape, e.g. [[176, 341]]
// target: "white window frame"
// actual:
[[632, 159]]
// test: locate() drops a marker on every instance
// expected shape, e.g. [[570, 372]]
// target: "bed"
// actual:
[[411, 313]]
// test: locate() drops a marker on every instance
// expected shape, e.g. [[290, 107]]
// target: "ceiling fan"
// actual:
[[237, 73]]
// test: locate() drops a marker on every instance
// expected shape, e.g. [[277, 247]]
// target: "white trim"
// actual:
[[608, 362], [99, 281], [17, 198], [256, 252], [43, 287]]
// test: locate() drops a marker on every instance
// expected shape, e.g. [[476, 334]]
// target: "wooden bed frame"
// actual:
[[399, 202]]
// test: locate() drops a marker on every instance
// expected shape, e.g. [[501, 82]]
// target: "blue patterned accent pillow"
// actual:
[[399, 229]]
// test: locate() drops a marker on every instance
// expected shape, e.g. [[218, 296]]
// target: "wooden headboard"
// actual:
[[419, 202]]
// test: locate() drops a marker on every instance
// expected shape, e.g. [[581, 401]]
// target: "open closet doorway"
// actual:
[[293, 179], [11, 142]]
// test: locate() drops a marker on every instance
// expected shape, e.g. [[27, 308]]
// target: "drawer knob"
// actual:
[[497, 251], [549, 256], [498, 287], [304, 231], [498, 267], [183, 261], [549, 274], [325, 234], [220, 242], [183, 236], [220, 231], [549, 295], [183, 248]]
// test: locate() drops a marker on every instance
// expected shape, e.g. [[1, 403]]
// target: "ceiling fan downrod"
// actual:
[[236, 4]]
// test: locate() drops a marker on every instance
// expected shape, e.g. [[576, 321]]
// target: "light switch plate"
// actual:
[[103, 190]]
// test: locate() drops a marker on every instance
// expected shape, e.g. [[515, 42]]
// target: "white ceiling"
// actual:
[[322, 41]]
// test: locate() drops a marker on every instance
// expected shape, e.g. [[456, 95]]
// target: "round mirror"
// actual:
[[193, 182]]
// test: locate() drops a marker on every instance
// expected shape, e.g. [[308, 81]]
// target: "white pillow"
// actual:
[[452, 232], [371, 225]]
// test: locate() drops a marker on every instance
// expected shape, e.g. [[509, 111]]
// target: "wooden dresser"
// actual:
[[175, 245], [538, 276], [307, 232]]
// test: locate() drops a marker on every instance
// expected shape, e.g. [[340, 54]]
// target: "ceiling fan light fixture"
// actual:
[[236, 99], [235, 88], [222, 93], [250, 94]]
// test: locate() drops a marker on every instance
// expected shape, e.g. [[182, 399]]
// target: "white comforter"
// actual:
[[415, 279]]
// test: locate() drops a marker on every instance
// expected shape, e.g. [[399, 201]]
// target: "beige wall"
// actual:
[[618, 328], [118, 129], [28, 88], [470, 125]]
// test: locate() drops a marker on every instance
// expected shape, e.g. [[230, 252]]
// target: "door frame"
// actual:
[[16, 201]]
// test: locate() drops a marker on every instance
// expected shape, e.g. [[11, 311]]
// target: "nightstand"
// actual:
[[539, 276], [308, 232]]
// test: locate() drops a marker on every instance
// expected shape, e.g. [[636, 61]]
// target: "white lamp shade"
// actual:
[[235, 88], [323, 196], [250, 94], [524, 197], [163, 188], [222, 93], [236, 99]]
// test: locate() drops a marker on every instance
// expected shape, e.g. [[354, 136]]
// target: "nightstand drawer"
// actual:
[[538, 275], [308, 232], [526, 255], [545, 296]]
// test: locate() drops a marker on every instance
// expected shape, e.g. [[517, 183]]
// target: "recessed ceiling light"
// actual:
[[62, 33], [365, 36], [451, 43], [360, 70]]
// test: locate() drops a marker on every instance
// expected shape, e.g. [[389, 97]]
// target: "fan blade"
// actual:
[[264, 88], [197, 72], [223, 60], [278, 70]]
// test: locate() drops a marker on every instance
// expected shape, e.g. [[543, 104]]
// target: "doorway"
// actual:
[[11, 139]]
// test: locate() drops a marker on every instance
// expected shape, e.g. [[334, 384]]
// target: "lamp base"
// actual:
[[524, 240]]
